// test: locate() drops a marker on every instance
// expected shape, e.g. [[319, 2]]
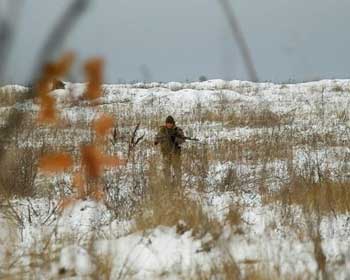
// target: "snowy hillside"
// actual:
[[266, 190]]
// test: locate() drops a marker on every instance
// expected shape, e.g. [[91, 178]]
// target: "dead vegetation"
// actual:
[[138, 191], [326, 197], [244, 117], [18, 172], [9, 95], [167, 205]]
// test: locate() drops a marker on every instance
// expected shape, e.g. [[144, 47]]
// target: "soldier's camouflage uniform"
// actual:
[[170, 140]]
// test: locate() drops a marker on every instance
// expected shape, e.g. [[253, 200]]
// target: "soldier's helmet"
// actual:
[[170, 119]]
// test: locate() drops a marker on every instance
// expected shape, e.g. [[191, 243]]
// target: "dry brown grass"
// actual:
[[31, 262], [260, 272], [169, 206], [326, 139], [256, 118], [104, 265], [246, 117], [267, 146], [326, 197], [234, 215], [18, 172], [228, 270], [9, 97]]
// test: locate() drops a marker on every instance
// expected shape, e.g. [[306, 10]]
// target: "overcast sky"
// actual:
[[180, 40]]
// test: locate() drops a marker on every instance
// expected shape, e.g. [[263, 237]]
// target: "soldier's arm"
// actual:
[[180, 136], [160, 136]]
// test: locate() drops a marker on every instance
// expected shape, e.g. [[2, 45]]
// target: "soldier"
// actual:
[[170, 137]]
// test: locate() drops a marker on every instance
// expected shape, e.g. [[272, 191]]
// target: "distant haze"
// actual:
[[180, 40]]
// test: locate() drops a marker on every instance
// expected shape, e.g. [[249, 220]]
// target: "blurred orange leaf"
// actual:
[[51, 71], [43, 87], [60, 67], [112, 161], [56, 162], [91, 160], [103, 124], [98, 193], [65, 63], [48, 112], [80, 184], [93, 71], [66, 202], [94, 161]]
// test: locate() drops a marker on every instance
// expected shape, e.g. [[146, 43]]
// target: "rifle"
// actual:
[[184, 138], [190, 138]]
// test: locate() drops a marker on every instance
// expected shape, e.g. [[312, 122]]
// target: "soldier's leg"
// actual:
[[177, 169], [166, 166]]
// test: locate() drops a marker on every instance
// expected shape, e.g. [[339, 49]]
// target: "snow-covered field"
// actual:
[[266, 191]]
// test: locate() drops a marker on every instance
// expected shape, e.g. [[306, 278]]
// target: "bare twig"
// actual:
[[117, 136], [134, 141]]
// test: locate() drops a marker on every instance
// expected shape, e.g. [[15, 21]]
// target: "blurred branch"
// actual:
[[239, 37], [52, 45], [7, 26], [5, 39], [59, 33]]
